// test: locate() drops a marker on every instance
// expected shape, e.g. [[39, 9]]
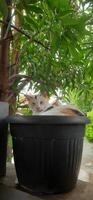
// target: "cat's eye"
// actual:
[[41, 102], [33, 103]]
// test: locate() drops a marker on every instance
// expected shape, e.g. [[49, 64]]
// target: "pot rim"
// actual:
[[45, 119]]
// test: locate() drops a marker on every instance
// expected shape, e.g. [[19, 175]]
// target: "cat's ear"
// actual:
[[28, 97], [44, 94]]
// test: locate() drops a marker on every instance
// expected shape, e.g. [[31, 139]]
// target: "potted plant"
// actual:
[[47, 151]]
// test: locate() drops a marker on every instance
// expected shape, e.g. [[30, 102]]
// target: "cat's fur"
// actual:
[[39, 104]]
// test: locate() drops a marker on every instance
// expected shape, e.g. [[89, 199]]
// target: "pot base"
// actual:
[[45, 191]]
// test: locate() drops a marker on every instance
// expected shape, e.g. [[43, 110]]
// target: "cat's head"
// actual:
[[38, 103]]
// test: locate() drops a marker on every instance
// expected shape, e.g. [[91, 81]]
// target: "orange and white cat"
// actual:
[[39, 104]]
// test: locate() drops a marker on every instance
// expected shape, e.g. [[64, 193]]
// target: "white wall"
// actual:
[[4, 109]]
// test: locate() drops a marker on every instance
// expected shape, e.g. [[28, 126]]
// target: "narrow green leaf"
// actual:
[[68, 20], [35, 9], [74, 51], [31, 1], [55, 43], [31, 21], [58, 4], [3, 7]]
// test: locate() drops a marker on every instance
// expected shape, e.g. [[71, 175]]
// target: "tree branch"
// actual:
[[7, 38], [25, 34], [19, 76]]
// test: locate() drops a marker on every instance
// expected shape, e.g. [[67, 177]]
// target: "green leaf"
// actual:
[[35, 9], [74, 51], [31, 1], [56, 42], [58, 4], [28, 22], [28, 2], [74, 20], [31, 21], [3, 7]]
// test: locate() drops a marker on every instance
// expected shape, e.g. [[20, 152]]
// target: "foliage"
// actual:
[[61, 34], [89, 128], [24, 111], [79, 98], [54, 46]]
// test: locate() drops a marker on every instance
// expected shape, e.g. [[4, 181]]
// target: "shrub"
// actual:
[[89, 128]]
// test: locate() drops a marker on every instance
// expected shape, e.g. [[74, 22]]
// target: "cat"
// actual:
[[39, 104]]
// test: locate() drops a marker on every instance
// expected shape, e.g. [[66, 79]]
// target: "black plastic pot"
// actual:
[[47, 151], [3, 146]]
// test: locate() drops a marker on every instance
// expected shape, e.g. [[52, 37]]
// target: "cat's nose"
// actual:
[[39, 109]]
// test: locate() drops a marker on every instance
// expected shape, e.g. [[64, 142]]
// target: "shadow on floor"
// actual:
[[83, 191]]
